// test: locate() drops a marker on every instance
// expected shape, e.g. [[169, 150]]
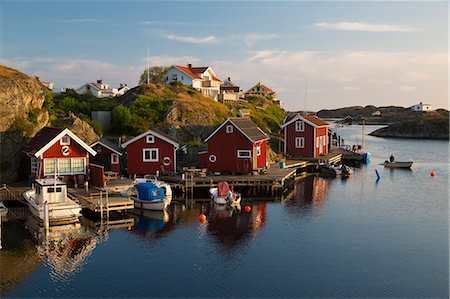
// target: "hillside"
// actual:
[[427, 126]]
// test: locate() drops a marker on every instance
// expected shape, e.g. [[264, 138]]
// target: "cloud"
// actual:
[[367, 27], [343, 78], [210, 39], [251, 38]]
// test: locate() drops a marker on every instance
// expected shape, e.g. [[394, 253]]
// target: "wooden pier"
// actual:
[[100, 201]]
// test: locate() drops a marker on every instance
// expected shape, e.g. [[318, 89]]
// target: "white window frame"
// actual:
[[114, 158], [229, 129], [299, 126], [317, 142], [71, 166], [67, 142], [150, 138], [244, 154], [144, 150], [258, 151], [299, 142]]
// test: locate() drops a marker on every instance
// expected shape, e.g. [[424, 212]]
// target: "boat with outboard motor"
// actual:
[[327, 170], [222, 194], [395, 164]]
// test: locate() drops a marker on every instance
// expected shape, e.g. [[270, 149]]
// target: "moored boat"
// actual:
[[53, 192], [407, 164], [222, 195], [330, 170], [150, 197]]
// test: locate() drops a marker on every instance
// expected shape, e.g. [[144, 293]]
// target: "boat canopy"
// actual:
[[149, 191], [223, 188]]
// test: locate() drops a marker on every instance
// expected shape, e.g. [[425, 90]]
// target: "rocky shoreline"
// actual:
[[436, 129]]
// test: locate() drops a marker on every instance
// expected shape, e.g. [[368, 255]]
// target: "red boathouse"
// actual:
[[305, 136], [236, 146], [151, 152], [60, 150], [109, 155]]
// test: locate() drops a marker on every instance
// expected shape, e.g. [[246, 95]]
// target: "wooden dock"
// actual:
[[100, 201]]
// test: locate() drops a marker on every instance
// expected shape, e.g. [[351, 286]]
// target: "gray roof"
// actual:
[[249, 128], [110, 144]]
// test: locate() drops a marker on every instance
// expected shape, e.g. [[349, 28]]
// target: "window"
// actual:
[[65, 140], [150, 154], [78, 165], [258, 151], [299, 142], [182, 78], [243, 154], [174, 77], [50, 190], [229, 129], [49, 166], [150, 139], [114, 159], [299, 126], [64, 166]]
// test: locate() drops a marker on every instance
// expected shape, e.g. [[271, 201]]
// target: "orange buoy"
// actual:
[[202, 218], [248, 208], [432, 173]]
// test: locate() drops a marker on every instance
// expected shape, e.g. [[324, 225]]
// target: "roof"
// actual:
[[309, 119], [156, 133], [47, 136], [246, 126], [108, 144], [263, 86], [195, 72]]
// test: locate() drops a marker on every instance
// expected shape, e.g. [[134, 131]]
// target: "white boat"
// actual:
[[149, 196], [154, 179], [54, 192], [398, 164], [222, 195]]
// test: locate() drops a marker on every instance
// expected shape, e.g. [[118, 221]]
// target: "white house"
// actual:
[[229, 92], [201, 78], [102, 90], [263, 90], [422, 107]]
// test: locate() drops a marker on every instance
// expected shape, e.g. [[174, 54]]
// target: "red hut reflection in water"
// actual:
[[309, 196]]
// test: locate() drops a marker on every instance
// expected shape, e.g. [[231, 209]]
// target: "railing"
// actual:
[[210, 83]]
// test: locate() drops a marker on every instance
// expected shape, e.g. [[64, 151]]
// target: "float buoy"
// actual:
[[432, 173], [248, 208], [202, 218]]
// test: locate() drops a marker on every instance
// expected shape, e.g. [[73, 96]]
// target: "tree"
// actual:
[[156, 74]]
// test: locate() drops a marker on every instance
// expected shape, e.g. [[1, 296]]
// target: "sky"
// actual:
[[315, 55]]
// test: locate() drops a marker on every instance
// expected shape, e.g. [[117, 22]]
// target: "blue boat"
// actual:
[[150, 197]]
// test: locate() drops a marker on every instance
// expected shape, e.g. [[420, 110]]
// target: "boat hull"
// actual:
[[223, 200], [398, 164], [153, 205], [70, 210]]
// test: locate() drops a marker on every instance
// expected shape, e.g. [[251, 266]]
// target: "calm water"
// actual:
[[332, 238]]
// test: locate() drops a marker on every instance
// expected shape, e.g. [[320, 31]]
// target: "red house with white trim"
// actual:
[[236, 146], [61, 150], [108, 155], [305, 136], [150, 152]]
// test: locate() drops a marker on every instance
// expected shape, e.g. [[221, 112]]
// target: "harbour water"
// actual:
[[355, 237]]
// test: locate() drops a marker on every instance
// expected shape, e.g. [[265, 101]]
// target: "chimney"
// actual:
[[420, 103], [99, 81], [122, 85], [189, 65], [229, 79]]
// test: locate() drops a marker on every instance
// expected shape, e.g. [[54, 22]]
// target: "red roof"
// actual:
[[195, 72], [315, 120], [44, 136], [268, 89]]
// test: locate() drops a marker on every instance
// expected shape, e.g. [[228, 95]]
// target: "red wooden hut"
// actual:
[[108, 155], [151, 152], [305, 136], [60, 150], [236, 146]]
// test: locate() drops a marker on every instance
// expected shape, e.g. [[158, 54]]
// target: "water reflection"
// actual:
[[231, 226], [65, 248], [309, 196], [153, 224]]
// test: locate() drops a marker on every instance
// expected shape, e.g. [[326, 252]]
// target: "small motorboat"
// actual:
[[328, 170], [53, 192], [397, 164], [222, 195], [150, 197]]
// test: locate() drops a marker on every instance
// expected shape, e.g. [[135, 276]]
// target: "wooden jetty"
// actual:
[[98, 201]]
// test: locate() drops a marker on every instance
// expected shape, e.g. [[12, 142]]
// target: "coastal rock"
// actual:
[[19, 94], [429, 128], [79, 127]]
